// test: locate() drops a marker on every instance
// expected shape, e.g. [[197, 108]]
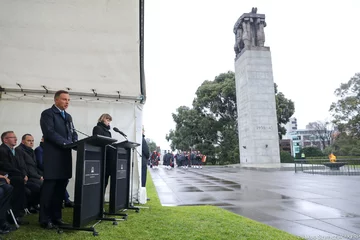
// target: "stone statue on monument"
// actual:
[[249, 31]]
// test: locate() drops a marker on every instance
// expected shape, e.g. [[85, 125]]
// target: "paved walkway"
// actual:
[[310, 206]]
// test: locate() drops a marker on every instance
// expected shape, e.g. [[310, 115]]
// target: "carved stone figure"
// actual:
[[239, 44], [260, 33], [246, 36], [249, 31]]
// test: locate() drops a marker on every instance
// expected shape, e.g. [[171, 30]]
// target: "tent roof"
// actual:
[[85, 47]]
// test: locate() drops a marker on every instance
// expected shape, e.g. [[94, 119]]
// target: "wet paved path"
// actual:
[[310, 206]]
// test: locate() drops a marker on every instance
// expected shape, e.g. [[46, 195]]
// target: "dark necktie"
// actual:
[[63, 114]]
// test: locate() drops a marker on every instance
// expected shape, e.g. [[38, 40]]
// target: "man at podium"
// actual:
[[58, 130]]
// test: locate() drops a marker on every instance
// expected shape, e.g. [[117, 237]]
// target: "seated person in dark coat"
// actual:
[[39, 155], [5, 198], [103, 128], [34, 174], [11, 164]]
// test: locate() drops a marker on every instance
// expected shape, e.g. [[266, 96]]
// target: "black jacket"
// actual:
[[10, 164], [30, 161], [145, 151], [102, 129], [57, 132]]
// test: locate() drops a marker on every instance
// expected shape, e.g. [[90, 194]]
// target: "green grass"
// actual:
[[158, 222]]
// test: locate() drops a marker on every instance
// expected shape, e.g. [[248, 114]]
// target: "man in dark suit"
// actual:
[[145, 157], [57, 129], [13, 165], [40, 166]]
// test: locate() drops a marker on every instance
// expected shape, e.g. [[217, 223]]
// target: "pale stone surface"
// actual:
[[255, 96]]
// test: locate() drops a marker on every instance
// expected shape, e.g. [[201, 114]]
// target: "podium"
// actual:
[[120, 177], [89, 179]]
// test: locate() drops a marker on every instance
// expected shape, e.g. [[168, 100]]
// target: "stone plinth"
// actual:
[[257, 121]]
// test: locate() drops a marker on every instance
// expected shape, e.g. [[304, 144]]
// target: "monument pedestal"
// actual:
[[257, 120]]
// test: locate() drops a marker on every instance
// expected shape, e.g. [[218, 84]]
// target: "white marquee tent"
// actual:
[[93, 49]]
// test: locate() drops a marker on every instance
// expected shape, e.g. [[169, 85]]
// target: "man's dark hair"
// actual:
[[3, 135], [58, 93], [25, 135]]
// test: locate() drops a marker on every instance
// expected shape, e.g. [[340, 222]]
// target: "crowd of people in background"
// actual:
[[182, 159]]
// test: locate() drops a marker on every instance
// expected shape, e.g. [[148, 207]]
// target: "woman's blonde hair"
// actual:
[[105, 116]]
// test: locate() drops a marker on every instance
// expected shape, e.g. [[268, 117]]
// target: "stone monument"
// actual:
[[255, 94]]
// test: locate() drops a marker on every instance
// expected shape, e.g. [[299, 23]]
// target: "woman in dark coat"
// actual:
[[103, 128]]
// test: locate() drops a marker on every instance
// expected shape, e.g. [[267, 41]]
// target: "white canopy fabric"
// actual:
[[84, 46], [91, 48], [22, 115]]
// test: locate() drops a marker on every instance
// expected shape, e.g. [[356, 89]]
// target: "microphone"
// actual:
[[118, 131]]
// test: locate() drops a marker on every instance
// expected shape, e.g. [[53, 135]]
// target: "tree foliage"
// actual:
[[344, 145], [285, 157], [323, 131], [285, 108], [312, 152], [346, 114], [211, 124], [152, 145], [346, 111]]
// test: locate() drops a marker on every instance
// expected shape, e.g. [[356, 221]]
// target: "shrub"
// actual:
[[312, 152], [285, 157]]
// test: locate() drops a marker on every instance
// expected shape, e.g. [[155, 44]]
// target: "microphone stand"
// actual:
[[80, 132], [137, 208]]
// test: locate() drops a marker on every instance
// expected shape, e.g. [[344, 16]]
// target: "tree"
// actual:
[[211, 124], [216, 100], [323, 131], [344, 145], [193, 130], [285, 108], [346, 111], [152, 145]]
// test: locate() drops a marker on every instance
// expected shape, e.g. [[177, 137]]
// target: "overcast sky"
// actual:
[[314, 47]]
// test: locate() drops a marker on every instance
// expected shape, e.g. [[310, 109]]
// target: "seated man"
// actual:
[[10, 164], [5, 198], [34, 174]]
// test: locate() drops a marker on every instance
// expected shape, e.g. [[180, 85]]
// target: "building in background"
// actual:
[[290, 126], [286, 146], [302, 138]]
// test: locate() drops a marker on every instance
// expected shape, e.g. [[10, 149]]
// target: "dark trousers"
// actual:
[[32, 190], [18, 195], [5, 198], [52, 196], [143, 175]]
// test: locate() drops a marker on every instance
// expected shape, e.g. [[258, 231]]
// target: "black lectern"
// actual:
[[120, 177], [89, 179]]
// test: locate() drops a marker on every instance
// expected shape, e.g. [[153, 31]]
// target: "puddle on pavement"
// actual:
[[235, 186], [227, 182], [188, 189], [215, 188], [285, 197], [211, 178], [207, 199]]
